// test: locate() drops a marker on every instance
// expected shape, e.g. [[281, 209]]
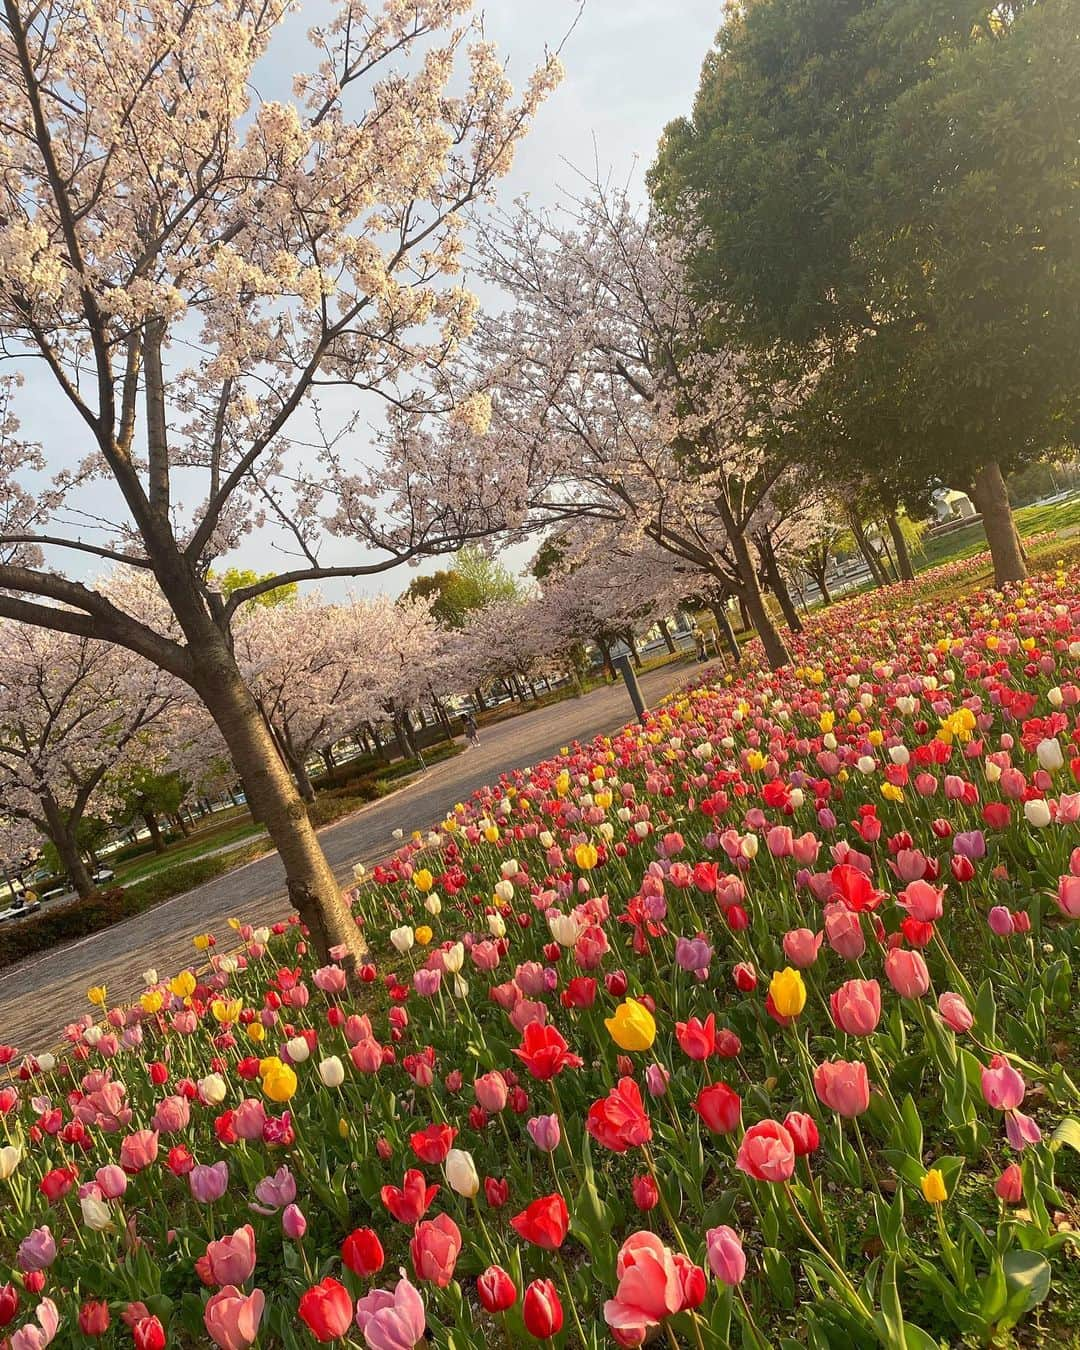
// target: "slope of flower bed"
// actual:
[[752, 1025]]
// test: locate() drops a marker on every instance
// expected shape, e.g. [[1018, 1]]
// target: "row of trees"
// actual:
[[91, 733], [860, 278]]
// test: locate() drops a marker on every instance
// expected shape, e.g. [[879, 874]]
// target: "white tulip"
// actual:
[[454, 958], [1055, 697], [829, 741], [46, 1062], [92, 1035], [10, 1157], [797, 797], [899, 754], [504, 891], [96, 1213], [433, 904], [748, 846], [624, 813], [1037, 813], [867, 700], [461, 1174], [728, 742], [905, 705], [212, 1088], [546, 838], [496, 925], [461, 987], [397, 834], [331, 1072], [150, 977], [565, 928], [359, 871], [993, 771], [866, 764], [607, 831], [298, 1049], [402, 939], [641, 828], [510, 868], [1048, 753]]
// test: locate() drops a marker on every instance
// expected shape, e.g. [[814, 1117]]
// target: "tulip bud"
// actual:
[[461, 1174]]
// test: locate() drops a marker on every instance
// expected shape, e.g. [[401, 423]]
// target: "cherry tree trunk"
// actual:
[[779, 586], [819, 575], [313, 890], [155, 831], [992, 499], [723, 623], [62, 834], [900, 549], [665, 633], [776, 652]]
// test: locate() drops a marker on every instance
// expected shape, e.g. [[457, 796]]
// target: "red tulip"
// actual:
[[541, 1310], [719, 1107], [645, 1192], [326, 1310], [362, 1252], [94, 1317], [804, 1132], [697, 1039], [495, 1290], [544, 1223], [431, 1145], [496, 1191], [619, 1121], [9, 1303], [544, 1052], [148, 1334], [410, 1202]]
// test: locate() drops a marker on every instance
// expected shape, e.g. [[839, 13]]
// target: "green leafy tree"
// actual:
[[147, 794], [240, 578], [472, 582], [889, 192]]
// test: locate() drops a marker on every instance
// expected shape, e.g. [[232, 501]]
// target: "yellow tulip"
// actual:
[[182, 985], [491, 834], [423, 935], [227, 1010], [827, 720], [280, 1083], [151, 1001], [343, 1128], [933, 1187], [96, 995], [256, 1032], [423, 880], [201, 941], [234, 924], [632, 1027], [875, 737], [585, 856], [788, 992]]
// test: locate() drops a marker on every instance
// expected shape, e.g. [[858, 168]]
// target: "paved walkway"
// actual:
[[41, 995]]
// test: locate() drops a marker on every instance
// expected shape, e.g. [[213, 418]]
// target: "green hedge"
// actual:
[[24, 937]]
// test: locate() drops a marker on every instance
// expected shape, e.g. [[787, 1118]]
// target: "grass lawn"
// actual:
[[206, 841], [1030, 520]]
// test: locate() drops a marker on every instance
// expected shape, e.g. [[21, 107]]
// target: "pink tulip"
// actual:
[[856, 1007], [330, 979], [780, 841], [31, 1337], [649, 1289], [138, 1150], [843, 1087], [1001, 921], [1002, 1085], [1068, 896], [209, 1182], [172, 1114], [767, 1152], [231, 1319], [293, 1222], [801, 947], [249, 1120], [435, 1246], [727, 1260], [1021, 1130], [37, 1251], [111, 1180], [907, 973], [277, 1191], [843, 932], [491, 1091], [229, 1260], [392, 1321], [922, 901], [955, 1012], [545, 1132]]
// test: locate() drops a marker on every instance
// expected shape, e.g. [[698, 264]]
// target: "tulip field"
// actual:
[[752, 1025]]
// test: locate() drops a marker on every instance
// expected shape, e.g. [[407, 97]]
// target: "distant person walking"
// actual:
[[468, 725], [702, 651]]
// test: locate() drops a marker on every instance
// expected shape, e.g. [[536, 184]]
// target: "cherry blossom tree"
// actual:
[[71, 711], [191, 266], [606, 394]]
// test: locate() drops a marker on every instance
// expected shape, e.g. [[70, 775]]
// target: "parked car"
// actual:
[[102, 875]]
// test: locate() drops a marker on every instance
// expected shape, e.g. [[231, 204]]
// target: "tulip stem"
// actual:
[[650, 1163], [849, 1288], [758, 1337], [570, 1295]]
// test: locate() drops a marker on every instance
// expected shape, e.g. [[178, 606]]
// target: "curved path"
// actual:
[[39, 996]]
